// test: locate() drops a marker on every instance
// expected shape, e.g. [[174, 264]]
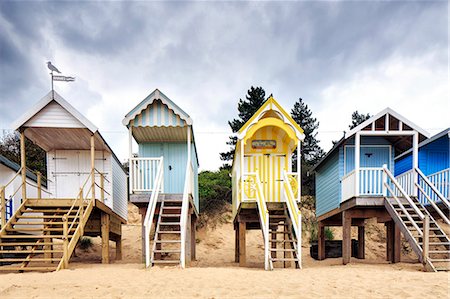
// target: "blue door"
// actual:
[[369, 157]]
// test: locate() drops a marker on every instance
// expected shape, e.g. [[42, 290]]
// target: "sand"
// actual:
[[215, 275]]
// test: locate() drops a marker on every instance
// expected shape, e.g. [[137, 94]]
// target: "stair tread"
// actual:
[[439, 260], [29, 259], [29, 251], [44, 217], [284, 259], [33, 236], [167, 250], [283, 241], [28, 268], [170, 215], [281, 250], [169, 223], [166, 261], [28, 244], [168, 241], [49, 211], [36, 223], [168, 232]]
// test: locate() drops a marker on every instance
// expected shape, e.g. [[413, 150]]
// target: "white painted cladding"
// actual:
[[119, 190], [55, 116], [69, 169]]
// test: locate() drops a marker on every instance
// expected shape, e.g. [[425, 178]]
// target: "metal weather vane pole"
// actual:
[[52, 69]]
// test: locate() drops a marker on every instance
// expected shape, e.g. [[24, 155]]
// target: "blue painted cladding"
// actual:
[[175, 159], [433, 157], [157, 114], [369, 157], [328, 186]]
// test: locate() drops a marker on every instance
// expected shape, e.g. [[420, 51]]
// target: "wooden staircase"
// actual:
[[283, 244], [166, 248], [42, 235], [439, 242]]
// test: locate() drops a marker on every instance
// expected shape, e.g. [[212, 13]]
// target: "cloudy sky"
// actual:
[[337, 56]]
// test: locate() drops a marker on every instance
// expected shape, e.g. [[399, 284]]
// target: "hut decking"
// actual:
[[164, 179], [86, 194], [265, 190], [355, 181]]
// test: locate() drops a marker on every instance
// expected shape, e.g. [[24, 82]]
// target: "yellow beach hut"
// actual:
[[265, 190]]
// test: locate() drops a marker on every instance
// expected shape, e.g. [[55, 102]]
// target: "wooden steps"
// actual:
[[439, 242], [166, 249], [32, 240], [282, 242]]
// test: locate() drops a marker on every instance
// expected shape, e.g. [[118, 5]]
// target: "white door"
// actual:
[[66, 175]]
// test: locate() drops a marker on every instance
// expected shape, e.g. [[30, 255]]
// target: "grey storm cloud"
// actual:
[[209, 52]]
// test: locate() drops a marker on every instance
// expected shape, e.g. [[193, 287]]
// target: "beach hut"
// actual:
[[10, 200], [434, 163], [163, 179], [87, 190], [355, 181], [265, 190]]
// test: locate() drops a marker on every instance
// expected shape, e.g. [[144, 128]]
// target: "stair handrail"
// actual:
[[402, 191], [294, 213], [184, 212], [148, 220], [433, 187], [263, 216], [4, 201], [438, 210]]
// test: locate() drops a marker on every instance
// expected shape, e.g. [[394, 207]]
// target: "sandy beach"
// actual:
[[215, 275]]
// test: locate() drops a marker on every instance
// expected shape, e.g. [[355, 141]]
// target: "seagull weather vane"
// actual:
[[52, 69]]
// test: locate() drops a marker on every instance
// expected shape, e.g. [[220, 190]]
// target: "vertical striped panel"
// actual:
[[157, 114]]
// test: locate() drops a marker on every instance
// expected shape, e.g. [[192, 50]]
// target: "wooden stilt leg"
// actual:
[[397, 244], [389, 241], [242, 245], [236, 242], [193, 237], [361, 242], [321, 241], [346, 237], [105, 238], [188, 240], [119, 248]]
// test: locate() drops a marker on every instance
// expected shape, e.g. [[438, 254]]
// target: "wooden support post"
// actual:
[[188, 239], [119, 248], [389, 241], [65, 242], [93, 167], [361, 242], [242, 232], [23, 165], [397, 243], [321, 241], [105, 237], [2, 207], [426, 239], [236, 242], [39, 185], [193, 238], [346, 237]]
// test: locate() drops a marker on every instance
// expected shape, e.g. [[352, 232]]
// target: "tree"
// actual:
[[358, 118], [311, 150], [35, 156], [254, 99], [214, 190]]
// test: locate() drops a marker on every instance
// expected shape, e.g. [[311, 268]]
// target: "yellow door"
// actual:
[[270, 169]]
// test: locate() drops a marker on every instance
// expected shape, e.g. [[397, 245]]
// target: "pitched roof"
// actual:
[[153, 96], [270, 104], [45, 101]]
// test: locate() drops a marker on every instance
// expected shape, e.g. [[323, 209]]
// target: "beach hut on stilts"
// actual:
[[355, 181], [266, 191], [163, 179], [86, 191]]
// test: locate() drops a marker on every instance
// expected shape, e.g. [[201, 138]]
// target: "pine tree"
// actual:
[[254, 99], [311, 150], [358, 118]]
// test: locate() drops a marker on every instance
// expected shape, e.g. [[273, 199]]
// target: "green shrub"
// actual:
[[214, 190], [85, 243], [314, 232]]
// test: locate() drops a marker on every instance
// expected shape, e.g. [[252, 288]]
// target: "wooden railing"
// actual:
[[143, 172], [149, 215], [295, 215]]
